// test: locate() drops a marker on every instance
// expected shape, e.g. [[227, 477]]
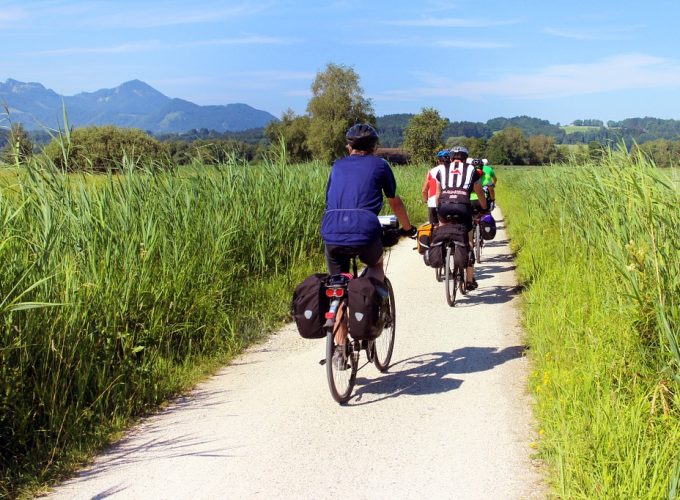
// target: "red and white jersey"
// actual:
[[432, 187]]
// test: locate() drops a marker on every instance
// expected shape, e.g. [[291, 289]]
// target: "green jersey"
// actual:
[[488, 175]]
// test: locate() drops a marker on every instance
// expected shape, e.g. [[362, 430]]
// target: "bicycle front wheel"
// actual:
[[450, 277], [384, 345], [478, 243], [341, 373]]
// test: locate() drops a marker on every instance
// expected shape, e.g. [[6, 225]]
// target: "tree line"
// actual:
[[336, 103]]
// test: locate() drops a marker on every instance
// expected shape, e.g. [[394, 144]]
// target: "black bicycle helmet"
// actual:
[[362, 137]]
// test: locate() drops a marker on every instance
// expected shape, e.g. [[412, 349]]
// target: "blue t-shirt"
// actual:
[[354, 197]]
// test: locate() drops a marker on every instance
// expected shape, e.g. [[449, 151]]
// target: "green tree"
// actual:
[[475, 146], [508, 147], [291, 133], [19, 146], [99, 149], [337, 103], [423, 135], [541, 149]]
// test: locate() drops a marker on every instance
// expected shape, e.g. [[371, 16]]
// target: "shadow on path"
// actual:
[[431, 373], [489, 295]]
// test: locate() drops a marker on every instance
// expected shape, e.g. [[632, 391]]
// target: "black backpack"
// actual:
[[310, 305], [367, 298]]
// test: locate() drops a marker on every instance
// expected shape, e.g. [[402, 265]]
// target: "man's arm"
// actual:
[[425, 186], [400, 211], [480, 194]]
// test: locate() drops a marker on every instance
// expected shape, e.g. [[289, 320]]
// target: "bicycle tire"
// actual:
[[439, 273], [384, 345], [478, 243], [450, 277], [461, 280], [340, 382]]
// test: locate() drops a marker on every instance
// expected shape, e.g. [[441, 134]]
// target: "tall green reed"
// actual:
[[598, 255], [115, 288]]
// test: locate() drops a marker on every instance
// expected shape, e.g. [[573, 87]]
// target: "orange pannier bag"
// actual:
[[424, 237]]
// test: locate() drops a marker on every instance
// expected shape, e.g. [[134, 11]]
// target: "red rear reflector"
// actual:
[[329, 315], [339, 292], [329, 292]]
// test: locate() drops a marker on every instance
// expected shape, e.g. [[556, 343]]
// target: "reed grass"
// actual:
[[598, 255], [118, 292]]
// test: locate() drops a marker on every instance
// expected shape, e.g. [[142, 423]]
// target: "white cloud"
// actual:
[[444, 43], [10, 15], [241, 40], [624, 72], [600, 33], [172, 14], [451, 22], [123, 48], [278, 75], [155, 45]]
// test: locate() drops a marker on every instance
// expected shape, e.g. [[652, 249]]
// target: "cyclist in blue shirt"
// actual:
[[350, 226], [354, 197]]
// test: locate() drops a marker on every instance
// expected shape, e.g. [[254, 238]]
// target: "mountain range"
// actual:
[[132, 104]]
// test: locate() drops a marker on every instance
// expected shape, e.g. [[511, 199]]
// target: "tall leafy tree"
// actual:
[[508, 147], [337, 103], [423, 135]]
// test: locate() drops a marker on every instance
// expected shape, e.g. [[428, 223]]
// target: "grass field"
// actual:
[[575, 129], [597, 254]]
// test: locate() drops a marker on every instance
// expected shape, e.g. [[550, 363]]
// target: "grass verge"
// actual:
[[597, 253]]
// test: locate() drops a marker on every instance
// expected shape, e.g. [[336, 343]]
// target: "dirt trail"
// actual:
[[451, 419]]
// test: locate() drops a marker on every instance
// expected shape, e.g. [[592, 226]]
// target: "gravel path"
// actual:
[[451, 419]]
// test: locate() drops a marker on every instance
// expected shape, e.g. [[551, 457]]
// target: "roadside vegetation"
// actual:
[[120, 291], [597, 255]]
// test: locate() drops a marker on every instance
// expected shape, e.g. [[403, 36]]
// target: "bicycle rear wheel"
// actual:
[[450, 276], [341, 379], [384, 345]]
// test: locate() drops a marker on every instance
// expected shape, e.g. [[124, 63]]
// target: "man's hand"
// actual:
[[410, 232]]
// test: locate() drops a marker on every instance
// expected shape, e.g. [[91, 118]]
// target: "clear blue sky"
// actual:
[[471, 60]]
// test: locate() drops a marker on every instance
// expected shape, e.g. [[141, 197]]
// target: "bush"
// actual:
[[99, 149]]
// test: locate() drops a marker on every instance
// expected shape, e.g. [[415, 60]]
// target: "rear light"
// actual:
[[335, 292], [329, 315]]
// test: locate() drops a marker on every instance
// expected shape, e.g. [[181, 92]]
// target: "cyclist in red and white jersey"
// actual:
[[454, 185], [430, 186]]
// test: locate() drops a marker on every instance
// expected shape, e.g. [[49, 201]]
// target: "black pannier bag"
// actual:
[[310, 306], [366, 297], [434, 255], [457, 233]]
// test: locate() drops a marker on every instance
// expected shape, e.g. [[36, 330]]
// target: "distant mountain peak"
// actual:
[[131, 104]]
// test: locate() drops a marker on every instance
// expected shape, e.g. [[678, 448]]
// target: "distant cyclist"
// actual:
[[430, 186], [454, 186], [354, 198], [489, 182]]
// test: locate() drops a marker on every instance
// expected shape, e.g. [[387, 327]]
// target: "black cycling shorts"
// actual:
[[476, 207], [458, 213], [338, 258], [432, 215]]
